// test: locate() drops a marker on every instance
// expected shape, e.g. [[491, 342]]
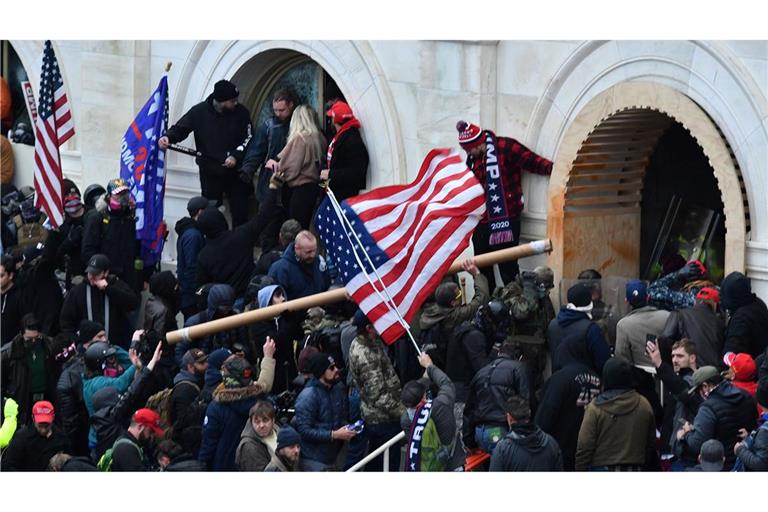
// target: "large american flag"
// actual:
[[53, 128], [412, 234]]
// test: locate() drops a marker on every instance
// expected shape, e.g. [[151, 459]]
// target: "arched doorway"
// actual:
[[273, 69], [602, 205]]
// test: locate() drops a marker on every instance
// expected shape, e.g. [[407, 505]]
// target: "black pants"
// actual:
[[509, 269], [214, 184], [301, 203]]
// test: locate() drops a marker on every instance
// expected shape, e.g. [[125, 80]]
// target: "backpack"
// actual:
[[160, 402], [435, 456], [188, 430], [105, 462], [434, 342]]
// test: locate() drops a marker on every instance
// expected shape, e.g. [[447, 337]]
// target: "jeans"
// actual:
[[378, 434], [488, 436]]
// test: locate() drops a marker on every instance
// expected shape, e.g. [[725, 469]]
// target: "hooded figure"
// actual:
[[227, 413], [228, 254], [618, 428], [747, 329]]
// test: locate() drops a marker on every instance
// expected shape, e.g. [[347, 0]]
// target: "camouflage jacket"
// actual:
[[377, 381], [532, 316], [663, 294]]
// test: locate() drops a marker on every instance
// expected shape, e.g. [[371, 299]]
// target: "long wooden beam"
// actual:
[[329, 297]]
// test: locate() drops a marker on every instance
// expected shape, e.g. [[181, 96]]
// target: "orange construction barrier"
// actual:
[[475, 459]]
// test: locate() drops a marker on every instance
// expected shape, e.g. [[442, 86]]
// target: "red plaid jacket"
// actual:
[[513, 159]]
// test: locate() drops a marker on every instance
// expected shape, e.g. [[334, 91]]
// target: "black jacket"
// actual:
[[129, 456], [267, 142], [720, 416], [467, 353], [762, 381], [702, 325], [227, 257], [113, 411], [70, 407], [561, 410], [349, 165], [29, 451], [185, 389], [122, 299], [679, 405], [68, 255], [217, 134], [747, 329], [39, 290], [189, 243], [526, 448], [113, 234], [16, 375], [491, 387], [10, 318]]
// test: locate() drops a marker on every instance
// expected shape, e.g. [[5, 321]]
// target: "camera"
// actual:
[[145, 346]]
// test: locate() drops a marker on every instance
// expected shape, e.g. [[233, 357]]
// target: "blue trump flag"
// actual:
[[142, 165]]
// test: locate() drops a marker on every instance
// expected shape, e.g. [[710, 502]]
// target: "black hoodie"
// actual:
[[747, 329], [526, 448]]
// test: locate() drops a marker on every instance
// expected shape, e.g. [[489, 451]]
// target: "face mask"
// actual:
[[120, 202]]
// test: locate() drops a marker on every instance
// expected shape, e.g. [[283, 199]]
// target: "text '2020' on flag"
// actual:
[[411, 233], [142, 165], [54, 126]]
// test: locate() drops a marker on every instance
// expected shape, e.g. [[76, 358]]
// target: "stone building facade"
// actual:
[[560, 98]]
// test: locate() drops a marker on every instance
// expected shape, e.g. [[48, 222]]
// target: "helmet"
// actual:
[[495, 316], [96, 354], [117, 185], [255, 285], [92, 192], [545, 278]]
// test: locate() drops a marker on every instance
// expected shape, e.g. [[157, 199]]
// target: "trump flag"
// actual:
[[410, 233], [142, 165]]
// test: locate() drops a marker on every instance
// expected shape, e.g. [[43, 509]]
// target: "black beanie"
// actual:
[[88, 330], [618, 374], [225, 90], [580, 295], [320, 362]]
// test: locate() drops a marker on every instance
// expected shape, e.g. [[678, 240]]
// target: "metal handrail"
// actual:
[[383, 448]]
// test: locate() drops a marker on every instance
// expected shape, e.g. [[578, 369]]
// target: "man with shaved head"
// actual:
[[301, 271]]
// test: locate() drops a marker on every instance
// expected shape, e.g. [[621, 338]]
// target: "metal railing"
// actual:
[[383, 448]]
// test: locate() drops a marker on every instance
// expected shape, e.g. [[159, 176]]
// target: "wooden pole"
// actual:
[[338, 295]]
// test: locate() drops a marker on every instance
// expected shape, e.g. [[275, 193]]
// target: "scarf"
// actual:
[[495, 194], [423, 412], [352, 123]]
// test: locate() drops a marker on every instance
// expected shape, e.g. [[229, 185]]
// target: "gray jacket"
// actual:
[[631, 333]]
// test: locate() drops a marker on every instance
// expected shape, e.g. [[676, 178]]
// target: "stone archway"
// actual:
[[596, 183]]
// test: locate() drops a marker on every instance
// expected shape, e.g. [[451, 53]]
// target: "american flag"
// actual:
[[412, 234], [53, 128]]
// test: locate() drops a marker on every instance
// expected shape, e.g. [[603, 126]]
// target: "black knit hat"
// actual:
[[88, 330], [225, 90], [287, 436], [580, 295], [618, 374], [320, 362]]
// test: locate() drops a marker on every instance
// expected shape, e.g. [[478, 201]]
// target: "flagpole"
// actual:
[[389, 302], [338, 295]]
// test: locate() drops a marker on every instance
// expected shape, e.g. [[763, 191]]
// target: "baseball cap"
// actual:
[[702, 375], [149, 418], [42, 412], [193, 355], [97, 264], [744, 367], [199, 203]]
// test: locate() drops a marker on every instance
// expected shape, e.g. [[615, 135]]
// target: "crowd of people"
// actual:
[[502, 382]]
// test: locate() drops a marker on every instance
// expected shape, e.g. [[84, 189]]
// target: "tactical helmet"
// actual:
[[91, 194], [545, 278], [96, 354], [496, 316]]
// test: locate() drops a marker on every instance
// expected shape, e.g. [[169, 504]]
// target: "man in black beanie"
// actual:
[[321, 416], [618, 428], [573, 332], [222, 129]]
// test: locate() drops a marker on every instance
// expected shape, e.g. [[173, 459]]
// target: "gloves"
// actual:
[[11, 409], [691, 271], [245, 177], [276, 181]]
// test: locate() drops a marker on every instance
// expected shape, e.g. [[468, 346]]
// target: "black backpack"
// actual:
[[188, 430]]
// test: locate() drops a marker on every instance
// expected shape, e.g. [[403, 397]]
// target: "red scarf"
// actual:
[[352, 123]]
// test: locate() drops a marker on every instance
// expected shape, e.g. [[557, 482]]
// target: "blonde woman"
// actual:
[[298, 164]]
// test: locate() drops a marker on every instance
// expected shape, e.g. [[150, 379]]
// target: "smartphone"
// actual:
[[651, 338], [356, 427]]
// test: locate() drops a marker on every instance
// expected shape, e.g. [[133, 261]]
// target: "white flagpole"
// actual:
[[389, 302]]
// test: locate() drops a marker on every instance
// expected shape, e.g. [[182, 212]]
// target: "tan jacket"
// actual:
[[299, 160]]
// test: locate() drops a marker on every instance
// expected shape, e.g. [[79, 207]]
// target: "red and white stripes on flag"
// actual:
[[53, 128], [412, 234]]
